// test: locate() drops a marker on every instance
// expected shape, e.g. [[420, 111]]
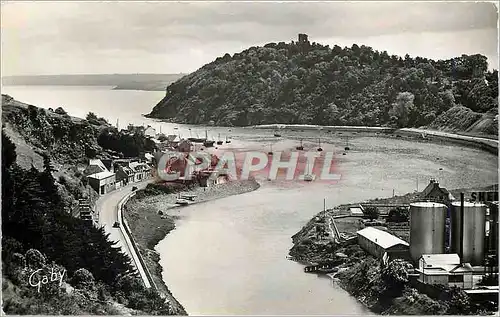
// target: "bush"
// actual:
[[63, 180], [61, 111], [35, 259], [83, 279], [371, 212], [399, 214]]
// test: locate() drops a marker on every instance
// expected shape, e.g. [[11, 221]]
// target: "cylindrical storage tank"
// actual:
[[494, 228], [427, 229], [474, 231]]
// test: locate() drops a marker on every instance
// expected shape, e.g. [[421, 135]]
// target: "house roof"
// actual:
[[356, 210], [382, 238], [127, 170], [451, 258], [101, 175], [136, 166], [444, 264], [434, 185], [468, 204], [98, 163]]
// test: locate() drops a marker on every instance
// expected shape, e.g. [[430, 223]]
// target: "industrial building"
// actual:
[[445, 269], [468, 231], [427, 229], [378, 242], [493, 229]]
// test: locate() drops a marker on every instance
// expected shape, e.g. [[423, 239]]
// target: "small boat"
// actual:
[[219, 142], [300, 147], [182, 202], [277, 135], [347, 144], [197, 140], [188, 197], [308, 177], [207, 142], [227, 140], [271, 151], [319, 143]]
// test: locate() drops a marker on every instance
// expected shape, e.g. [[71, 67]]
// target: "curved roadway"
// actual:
[[106, 207]]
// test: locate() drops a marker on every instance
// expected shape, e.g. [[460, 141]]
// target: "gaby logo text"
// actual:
[[37, 278], [242, 165]]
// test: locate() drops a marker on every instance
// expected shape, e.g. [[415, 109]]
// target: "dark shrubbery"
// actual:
[[37, 232]]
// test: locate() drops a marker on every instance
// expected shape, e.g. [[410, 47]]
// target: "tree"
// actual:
[[402, 107], [91, 116], [371, 212], [398, 214], [61, 111], [8, 151], [395, 277]]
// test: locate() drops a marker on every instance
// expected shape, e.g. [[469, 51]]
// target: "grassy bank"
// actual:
[[151, 215]]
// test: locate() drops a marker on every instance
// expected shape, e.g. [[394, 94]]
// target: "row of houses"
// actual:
[[105, 176]]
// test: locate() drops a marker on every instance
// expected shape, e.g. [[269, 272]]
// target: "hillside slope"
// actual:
[[462, 119], [305, 83]]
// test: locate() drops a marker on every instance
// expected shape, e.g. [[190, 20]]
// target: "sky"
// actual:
[[180, 37]]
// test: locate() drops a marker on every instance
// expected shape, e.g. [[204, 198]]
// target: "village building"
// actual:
[[95, 166], [150, 131], [356, 212], [436, 194], [148, 157], [102, 182], [124, 174], [109, 165], [445, 269], [141, 171], [381, 244], [100, 178]]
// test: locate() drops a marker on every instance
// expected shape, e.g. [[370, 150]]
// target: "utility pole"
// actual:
[[462, 198]]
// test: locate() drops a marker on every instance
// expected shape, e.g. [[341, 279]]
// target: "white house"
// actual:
[[150, 131], [141, 171], [445, 269]]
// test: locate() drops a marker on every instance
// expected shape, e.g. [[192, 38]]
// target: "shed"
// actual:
[[356, 212], [377, 242]]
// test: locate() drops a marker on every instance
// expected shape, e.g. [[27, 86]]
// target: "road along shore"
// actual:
[[151, 216]]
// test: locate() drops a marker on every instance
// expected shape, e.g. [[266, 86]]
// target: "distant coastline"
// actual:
[[146, 82]]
